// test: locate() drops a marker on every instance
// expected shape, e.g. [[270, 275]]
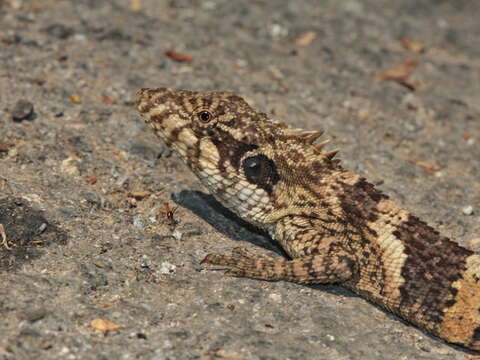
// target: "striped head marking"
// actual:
[[222, 139]]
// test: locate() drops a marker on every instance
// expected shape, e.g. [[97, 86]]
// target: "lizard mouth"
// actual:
[[155, 104], [145, 99]]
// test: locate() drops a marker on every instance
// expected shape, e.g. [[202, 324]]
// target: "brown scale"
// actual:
[[335, 226]]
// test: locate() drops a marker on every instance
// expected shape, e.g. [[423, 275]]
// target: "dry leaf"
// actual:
[[180, 57], [8, 40], [107, 100], [75, 98], [136, 5], [427, 167], [224, 355], [400, 73], [104, 325], [100, 264], [412, 45], [306, 38]]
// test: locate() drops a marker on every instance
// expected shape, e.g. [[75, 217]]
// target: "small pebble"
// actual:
[[468, 210], [177, 235], [146, 264], [42, 228], [411, 102], [275, 297], [277, 31], [138, 222], [22, 110], [137, 335], [147, 152], [330, 337], [190, 229], [167, 268], [33, 315], [59, 31]]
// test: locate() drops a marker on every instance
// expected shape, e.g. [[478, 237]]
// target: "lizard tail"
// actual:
[[461, 321]]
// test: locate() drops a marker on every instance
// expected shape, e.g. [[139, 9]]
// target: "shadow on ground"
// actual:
[[223, 220], [27, 231]]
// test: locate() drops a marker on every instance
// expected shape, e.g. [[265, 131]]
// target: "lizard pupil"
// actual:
[[204, 116]]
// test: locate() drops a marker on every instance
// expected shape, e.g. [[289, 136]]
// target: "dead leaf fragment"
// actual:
[[222, 354], [9, 40], [107, 100], [412, 45], [400, 73], [429, 168], [306, 38], [136, 5], [100, 264], [180, 57], [103, 326], [75, 98]]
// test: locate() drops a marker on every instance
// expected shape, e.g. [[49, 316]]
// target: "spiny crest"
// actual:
[[308, 137]]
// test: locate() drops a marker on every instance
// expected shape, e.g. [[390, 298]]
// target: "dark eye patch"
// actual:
[[261, 171], [255, 167]]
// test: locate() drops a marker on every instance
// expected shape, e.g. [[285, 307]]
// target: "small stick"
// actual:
[[4, 237]]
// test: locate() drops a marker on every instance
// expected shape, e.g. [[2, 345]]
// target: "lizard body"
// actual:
[[335, 226]]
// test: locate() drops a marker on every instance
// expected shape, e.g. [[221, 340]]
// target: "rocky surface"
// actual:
[[83, 182]]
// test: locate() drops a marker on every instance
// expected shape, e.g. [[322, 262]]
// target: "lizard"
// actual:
[[333, 224]]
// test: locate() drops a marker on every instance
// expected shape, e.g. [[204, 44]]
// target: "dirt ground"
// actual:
[[90, 267]]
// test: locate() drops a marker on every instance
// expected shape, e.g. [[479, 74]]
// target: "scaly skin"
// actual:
[[335, 226]]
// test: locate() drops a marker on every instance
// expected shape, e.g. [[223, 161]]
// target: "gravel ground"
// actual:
[[83, 182]]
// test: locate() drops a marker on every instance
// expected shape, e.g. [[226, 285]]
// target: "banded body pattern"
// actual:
[[335, 226]]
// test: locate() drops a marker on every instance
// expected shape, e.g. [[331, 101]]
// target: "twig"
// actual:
[[4, 237]]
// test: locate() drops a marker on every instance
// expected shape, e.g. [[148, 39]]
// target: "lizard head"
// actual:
[[238, 153]]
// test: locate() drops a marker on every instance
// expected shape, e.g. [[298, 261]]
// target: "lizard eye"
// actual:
[[260, 170], [204, 116]]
